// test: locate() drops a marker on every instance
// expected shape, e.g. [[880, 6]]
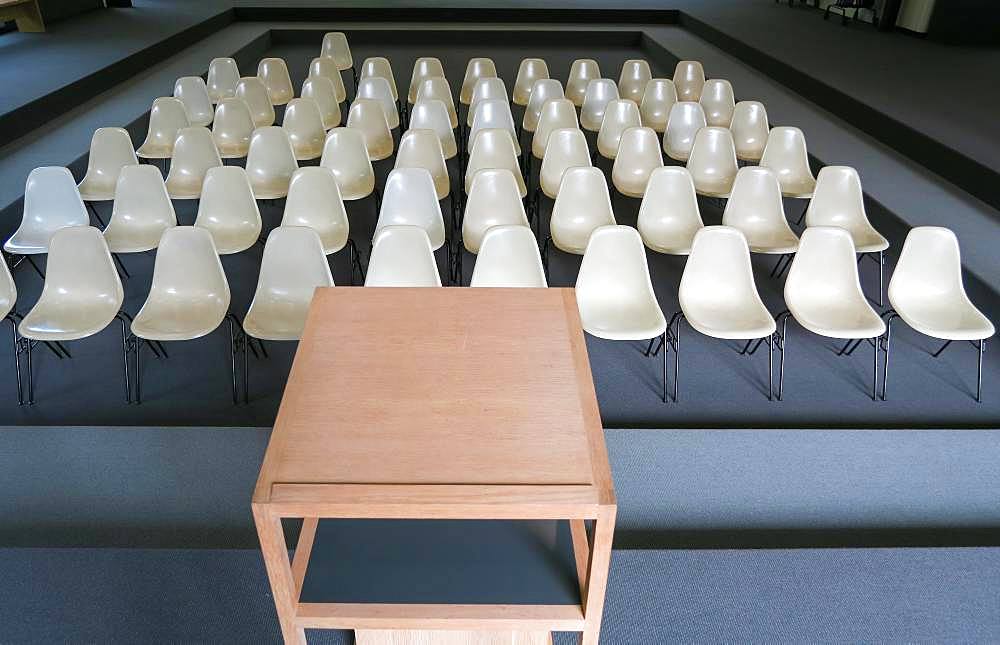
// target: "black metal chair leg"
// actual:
[[943, 347], [979, 378], [663, 339], [232, 354], [887, 339], [17, 359], [770, 367], [128, 384], [138, 370], [875, 347], [31, 262], [93, 211], [52, 348], [649, 347], [121, 265], [782, 346], [30, 379]]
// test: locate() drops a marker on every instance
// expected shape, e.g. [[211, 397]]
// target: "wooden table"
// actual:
[[438, 404]]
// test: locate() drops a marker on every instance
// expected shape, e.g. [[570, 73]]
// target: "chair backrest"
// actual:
[[929, 267], [528, 72], [423, 68], [303, 123], [712, 161], [166, 117], [270, 162], [508, 257], [638, 155], [193, 93], [541, 91], [292, 267], [583, 205], [437, 88], [838, 199], [476, 69], [335, 46], [379, 67], [141, 202], [274, 73], [581, 72], [421, 148], [613, 268], [409, 199], [227, 204], [494, 148], [633, 78], [378, 89], [486, 89], [824, 271], [689, 78], [493, 113], [80, 271], [321, 90], [785, 153], [686, 118], [223, 75], [252, 90], [750, 129], [555, 114], [432, 114], [324, 67], [110, 151], [669, 214], [51, 202], [599, 93], [368, 117], [232, 128], [314, 200], [718, 101], [718, 270], [194, 154], [755, 203], [657, 99], [618, 115], [187, 268], [344, 153], [402, 257], [493, 200], [566, 148]]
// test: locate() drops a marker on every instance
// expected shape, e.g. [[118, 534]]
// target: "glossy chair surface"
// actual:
[[335, 46], [689, 78], [303, 122], [270, 162], [619, 115], [669, 217], [232, 128], [194, 154], [321, 90], [657, 99], [755, 208], [486, 89], [324, 67], [409, 199], [566, 148], [8, 291], [402, 257], [378, 89], [555, 115], [785, 154], [683, 123], [367, 117], [141, 212], [475, 69], [110, 151], [494, 148], [421, 148], [51, 202], [541, 91], [508, 257], [528, 72], [750, 129], [346, 156], [718, 101], [638, 155], [223, 75], [193, 93], [581, 72], [493, 200], [166, 117], [712, 162], [493, 114], [252, 90], [582, 206], [314, 201], [423, 68], [598, 94], [228, 210], [379, 67], [839, 201], [274, 73], [432, 114], [632, 81], [438, 89]]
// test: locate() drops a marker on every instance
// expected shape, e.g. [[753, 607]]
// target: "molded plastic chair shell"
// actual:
[[712, 162], [438, 89], [327, 68], [303, 123], [718, 101], [582, 206], [657, 99], [194, 154], [270, 162], [494, 200], [638, 155], [292, 267], [839, 201], [423, 68], [755, 208], [528, 72], [785, 154], [166, 117], [377, 88], [193, 93], [232, 128], [633, 78], [567, 148], [223, 75], [251, 89], [927, 291], [669, 217], [321, 90], [494, 148], [314, 200], [433, 115], [613, 290], [543, 90], [493, 114], [189, 296], [581, 72], [689, 78], [409, 199], [750, 129], [717, 292], [556, 114], [110, 151], [421, 148], [475, 69], [335, 46], [600, 92], [228, 210], [686, 118], [142, 211], [346, 156], [822, 290], [379, 67], [508, 257], [8, 291], [82, 292], [51, 202], [367, 117], [486, 89], [274, 73], [619, 115], [402, 257]]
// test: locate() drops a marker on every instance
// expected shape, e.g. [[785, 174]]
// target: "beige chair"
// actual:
[[657, 100], [689, 79], [193, 93], [402, 257], [493, 114], [528, 72], [379, 67], [542, 91], [51, 202], [755, 208], [555, 115], [718, 101], [141, 213], [228, 210], [367, 117], [634, 76], [566, 148], [786, 156], [223, 75], [232, 128], [669, 217], [432, 114], [494, 200], [582, 206], [270, 162], [423, 68], [346, 156], [292, 268], [377, 88], [252, 90], [325, 67], [409, 199], [750, 129], [438, 89], [421, 148], [686, 118], [599, 93], [486, 89], [189, 296], [476, 69], [335, 47], [619, 115], [194, 154], [494, 148], [303, 123], [638, 156], [581, 72], [712, 162], [81, 297], [322, 91], [274, 74], [166, 117], [110, 151], [508, 258]]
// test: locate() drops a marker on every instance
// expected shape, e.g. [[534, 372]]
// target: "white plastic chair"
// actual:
[[475, 69], [669, 217], [508, 257], [566, 148], [223, 75], [556, 114], [638, 155], [270, 162], [423, 68], [166, 117], [51, 202], [432, 114], [634, 76], [421, 148], [486, 89], [529, 71], [232, 128], [378, 89], [274, 74], [756, 210], [322, 91], [712, 162], [379, 67], [657, 99], [142, 211], [402, 257], [335, 46], [494, 200], [542, 91], [438, 89], [493, 114], [346, 156], [303, 123], [750, 130], [686, 118], [494, 148], [927, 292], [193, 93], [228, 210], [619, 115], [409, 199], [110, 151], [718, 101], [194, 154], [785, 155], [689, 79], [368, 117], [599, 93], [582, 206], [314, 200], [581, 72], [252, 90], [324, 67]]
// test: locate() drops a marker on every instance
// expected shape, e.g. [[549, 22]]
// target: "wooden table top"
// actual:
[[427, 387]]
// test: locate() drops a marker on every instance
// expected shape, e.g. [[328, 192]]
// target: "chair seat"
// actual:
[[869, 241], [155, 151], [184, 188], [233, 240], [67, 320], [735, 320], [845, 320], [132, 239], [27, 243], [273, 189], [274, 320], [799, 189], [772, 241], [180, 320], [947, 319], [233, 150], [97, 191], [627, 321], [680, 239], [633, 183]]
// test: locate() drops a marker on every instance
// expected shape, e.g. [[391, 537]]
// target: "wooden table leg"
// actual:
[[279, 572], [581, 552], [597, 578]]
